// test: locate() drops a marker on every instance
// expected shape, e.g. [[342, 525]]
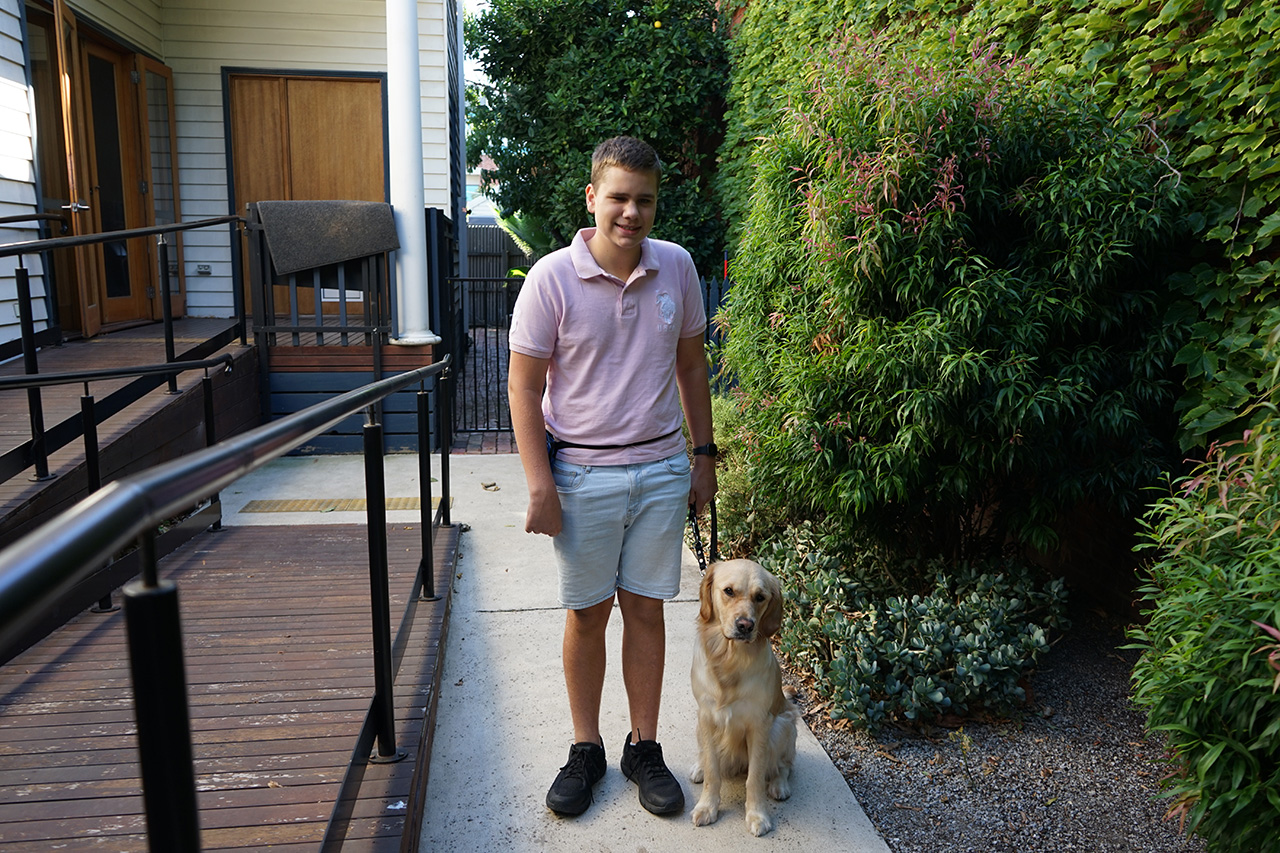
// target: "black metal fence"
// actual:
[[480, 327], [34, 453]]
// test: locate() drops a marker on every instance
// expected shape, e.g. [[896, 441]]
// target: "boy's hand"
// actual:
[[543, 515], [702, 483]]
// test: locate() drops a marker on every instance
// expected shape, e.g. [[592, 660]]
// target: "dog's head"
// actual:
[[743, 599]]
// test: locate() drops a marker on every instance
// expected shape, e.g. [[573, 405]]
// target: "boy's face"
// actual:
[[624, 203]]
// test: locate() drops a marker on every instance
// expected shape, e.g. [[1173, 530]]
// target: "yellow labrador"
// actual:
[[745, 723]]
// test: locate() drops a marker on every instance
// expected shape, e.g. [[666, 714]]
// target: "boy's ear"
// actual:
[[591, 199]]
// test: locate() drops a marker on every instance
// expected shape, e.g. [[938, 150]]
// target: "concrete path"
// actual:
[[503, 729], [503, 726]]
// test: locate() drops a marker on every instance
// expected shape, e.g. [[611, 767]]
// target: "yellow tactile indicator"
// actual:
[[332, 505]]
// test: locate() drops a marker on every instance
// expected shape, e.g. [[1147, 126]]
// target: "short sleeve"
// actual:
[[535, 318]]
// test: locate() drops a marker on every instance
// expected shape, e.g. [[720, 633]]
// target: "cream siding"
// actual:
[[136, 23], [17, 173], [201, 37]]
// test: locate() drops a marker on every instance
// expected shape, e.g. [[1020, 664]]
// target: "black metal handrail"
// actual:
[[35, 217], [31, 247], [42, 566], [73, 377], [26, 316]]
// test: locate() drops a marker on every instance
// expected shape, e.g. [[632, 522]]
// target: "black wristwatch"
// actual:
[[707, 450]]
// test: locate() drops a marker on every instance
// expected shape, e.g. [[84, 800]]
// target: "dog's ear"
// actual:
[[706, 596], [771, 621]]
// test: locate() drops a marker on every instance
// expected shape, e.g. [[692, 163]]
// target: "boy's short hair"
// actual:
[[625, 151]]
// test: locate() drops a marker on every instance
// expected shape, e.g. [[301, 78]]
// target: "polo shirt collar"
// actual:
[[584, 263]]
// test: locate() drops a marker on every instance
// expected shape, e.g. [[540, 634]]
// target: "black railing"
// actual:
[[98, 588], [478, 338], [34, 453], [36, 571]]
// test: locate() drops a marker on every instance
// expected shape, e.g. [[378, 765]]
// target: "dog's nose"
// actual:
[[744, 626]]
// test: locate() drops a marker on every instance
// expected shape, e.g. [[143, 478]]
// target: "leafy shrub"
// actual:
[[961, 646], [1203, 677], [745, 518], [565, 74], [1203, 74], [948, 307]]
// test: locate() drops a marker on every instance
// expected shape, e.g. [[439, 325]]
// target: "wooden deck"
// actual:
[[277, 647]]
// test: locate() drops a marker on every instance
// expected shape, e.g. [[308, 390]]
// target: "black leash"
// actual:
[[697, 538]]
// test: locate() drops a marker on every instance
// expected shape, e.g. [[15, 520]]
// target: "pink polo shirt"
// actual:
[[612, 345]]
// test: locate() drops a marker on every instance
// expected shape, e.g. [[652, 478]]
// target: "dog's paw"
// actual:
[[695, 773], [705, 814], [759, 823], [780, 788]]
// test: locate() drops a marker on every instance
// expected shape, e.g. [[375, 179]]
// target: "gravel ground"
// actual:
[[1076, 772]]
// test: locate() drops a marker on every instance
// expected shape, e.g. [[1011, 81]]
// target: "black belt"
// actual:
[[555, 444]]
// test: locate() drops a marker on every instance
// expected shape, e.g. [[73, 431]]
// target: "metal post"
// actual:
[[93, 470], [237, 282], [444, 411], [210, 430], [34, 406], [427, 518], [166, 311], [379, 596], [154, 632]]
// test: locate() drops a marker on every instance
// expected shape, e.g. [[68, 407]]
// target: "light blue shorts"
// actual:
[[623, 528]]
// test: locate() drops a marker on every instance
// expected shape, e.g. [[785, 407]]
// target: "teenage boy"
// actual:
[[611, 327]]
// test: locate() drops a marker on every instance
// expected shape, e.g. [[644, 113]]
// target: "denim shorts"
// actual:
[[623, 528]]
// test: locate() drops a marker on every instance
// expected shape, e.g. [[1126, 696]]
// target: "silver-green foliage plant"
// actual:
[[961, 647], [1205, 676], [949, 304]]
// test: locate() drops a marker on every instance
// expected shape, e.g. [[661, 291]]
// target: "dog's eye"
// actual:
[[728, 592], [760, 596]]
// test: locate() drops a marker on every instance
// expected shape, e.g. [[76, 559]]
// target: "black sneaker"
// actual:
[[570, 794], [642, 763]]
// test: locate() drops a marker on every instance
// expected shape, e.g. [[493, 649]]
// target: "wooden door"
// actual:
[[84, 263], [115, 190], [159, 172], [306, 138], [104, 118]]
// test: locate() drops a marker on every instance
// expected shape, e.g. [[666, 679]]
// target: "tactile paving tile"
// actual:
[[331, 505]]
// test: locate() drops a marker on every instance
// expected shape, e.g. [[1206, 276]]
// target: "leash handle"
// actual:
[[697, 537]]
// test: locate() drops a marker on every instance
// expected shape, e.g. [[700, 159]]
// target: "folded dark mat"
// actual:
[[307, 234]]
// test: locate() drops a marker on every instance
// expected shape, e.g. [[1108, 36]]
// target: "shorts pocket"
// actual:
[[568, 477], [678, 464]]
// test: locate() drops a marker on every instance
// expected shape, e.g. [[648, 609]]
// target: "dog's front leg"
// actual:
[[758, 819], [707, 811]]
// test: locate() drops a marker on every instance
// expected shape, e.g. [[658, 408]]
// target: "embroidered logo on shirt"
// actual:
[[666, 308]]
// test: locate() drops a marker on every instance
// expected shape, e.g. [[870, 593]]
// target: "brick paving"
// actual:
[[483, 442]]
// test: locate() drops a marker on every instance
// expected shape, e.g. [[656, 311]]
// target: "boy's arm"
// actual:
[[695, 397], [525, 380]]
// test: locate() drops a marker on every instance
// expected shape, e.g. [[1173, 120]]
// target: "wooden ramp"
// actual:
[[154, 429], [279, 670]]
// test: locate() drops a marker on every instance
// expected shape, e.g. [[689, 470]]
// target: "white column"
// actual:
[[404, 127]]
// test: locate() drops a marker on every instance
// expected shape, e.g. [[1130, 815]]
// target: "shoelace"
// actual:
[[649, 761], [576, 767]]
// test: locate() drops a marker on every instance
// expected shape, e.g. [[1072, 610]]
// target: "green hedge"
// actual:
[[1204, 676], [1201, 74], [949, 308]]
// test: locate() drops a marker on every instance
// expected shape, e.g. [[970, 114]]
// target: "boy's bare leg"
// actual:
[[584, 665], [644, 651]]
